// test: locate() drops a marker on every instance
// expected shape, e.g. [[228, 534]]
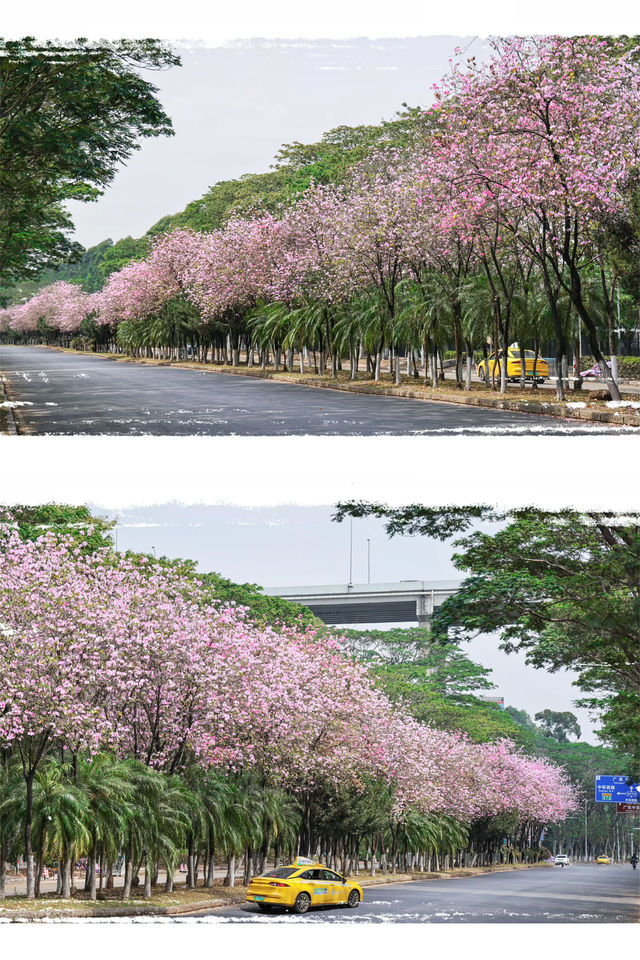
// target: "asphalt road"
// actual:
[[58, 393], [576, 894]]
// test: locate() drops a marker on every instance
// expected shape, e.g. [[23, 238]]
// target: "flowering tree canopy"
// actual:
[[512, 180], [101, 651]]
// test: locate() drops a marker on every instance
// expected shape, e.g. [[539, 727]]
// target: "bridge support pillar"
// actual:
[[424, 611]]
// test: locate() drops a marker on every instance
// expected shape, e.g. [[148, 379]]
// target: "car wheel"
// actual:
[[264, 907], [354, 899], [302, 904]]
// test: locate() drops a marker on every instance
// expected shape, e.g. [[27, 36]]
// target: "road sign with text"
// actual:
[[625, 807], [616, 790]]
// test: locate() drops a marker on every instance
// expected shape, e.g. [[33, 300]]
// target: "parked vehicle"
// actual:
[[514, 365]]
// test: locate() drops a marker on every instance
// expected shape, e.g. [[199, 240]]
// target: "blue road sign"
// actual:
[[616, 790]]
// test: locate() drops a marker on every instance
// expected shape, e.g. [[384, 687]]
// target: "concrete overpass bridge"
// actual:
[[408, 601]]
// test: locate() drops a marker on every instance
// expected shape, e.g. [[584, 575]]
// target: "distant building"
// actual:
[[498, 700]]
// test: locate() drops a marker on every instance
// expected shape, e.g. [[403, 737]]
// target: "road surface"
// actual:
[[576, 894], [59, 393]]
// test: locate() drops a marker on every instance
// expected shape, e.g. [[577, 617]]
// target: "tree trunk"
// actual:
[[3, 871], [210, 866], [434, 366], [66, 876], [168, 883], [523, 368], [468, 365], [147, 878], [577, 362], [91, 868], [28, 848], [190, 863], [128, 872], [504, 365], [230, 879], [40, 860], [583, 314]]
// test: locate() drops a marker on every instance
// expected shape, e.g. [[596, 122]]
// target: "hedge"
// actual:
[[628, 367]]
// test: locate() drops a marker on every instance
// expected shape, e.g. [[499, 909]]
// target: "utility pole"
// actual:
[[585, 831], [351, 553], [368, 560]]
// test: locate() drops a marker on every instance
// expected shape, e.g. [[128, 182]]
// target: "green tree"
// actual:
[[559, 724], [70, 114], [522, 718], [88, 531], [436, 682], [562, 587]]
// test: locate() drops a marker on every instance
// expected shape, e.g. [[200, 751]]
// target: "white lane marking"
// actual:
[[557, 896]]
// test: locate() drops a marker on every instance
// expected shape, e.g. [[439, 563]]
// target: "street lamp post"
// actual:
[[351, 553], [368, 560]]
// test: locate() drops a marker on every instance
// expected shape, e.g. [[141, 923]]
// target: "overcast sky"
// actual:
[[298, 546], [233, 106]]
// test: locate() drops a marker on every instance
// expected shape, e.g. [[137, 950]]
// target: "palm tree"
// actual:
[[277, 821], [12, 809], [109, 785], [165, 828], [60, 822]]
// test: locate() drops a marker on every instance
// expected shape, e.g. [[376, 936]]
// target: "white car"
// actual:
[[561, 859]]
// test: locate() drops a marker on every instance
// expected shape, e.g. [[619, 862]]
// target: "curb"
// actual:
[[123, 911], [539, 408], [460, 874]]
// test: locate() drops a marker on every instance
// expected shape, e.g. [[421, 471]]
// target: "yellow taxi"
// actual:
[[301, 885], [603, 859], [514, 365]]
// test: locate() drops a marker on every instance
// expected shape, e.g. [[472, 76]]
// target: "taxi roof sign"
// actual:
[[303, 862]]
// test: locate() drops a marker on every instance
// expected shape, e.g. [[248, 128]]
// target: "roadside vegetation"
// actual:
[[145, 722], [496, 216]]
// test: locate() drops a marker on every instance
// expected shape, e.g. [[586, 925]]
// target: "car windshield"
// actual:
[[281, 873]]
